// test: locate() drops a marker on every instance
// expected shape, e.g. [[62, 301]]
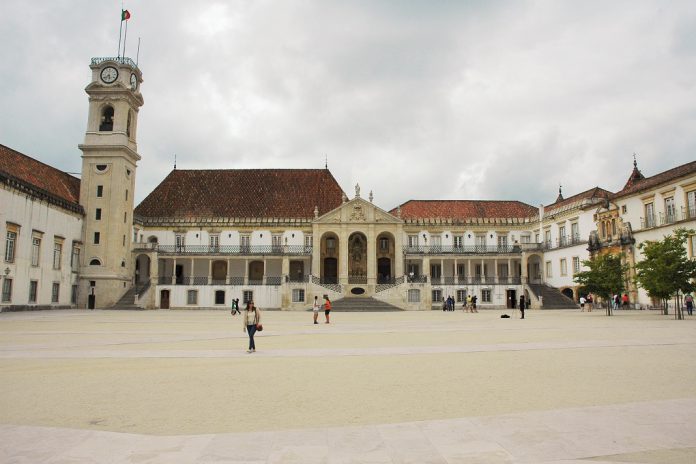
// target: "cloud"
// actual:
[[494, 100]]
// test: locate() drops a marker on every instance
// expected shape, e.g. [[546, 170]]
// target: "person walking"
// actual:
[[582, 303], [522, 303], [327, 308], [474, 299], [252, 323], [689, 300], [235, 306], [316, 306]]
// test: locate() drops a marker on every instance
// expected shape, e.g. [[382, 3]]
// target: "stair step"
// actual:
[[362, 305]]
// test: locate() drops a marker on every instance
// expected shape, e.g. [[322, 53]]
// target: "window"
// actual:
[[97, 214], [461, 269], [384, 244], [10, 244], [693, 246], [414, 295], [95, 262], [298, 295], [564, 267], [613, 227], [33, 290], [102, 167], [308, 242], [502, 241], [97, 236], [670, 210], [100, 191], [245, 242], [55, 292], [192, 297], [276, 242], [128, 126], [435, 271], [247, 296], [413, 241], [480, 240], [486, 295], [603, 231], [107, 119], [576, 264], [624, 210], [536, 237], [35, 250], [214, 241], [461, 296], [437, 296], [125, 219], [562, 239], [691, 204], [57, 255], [575, 232], [219, 297], [126, 194], [6, 290], [73, 295], [649, 215], [547, 238], [436, 241], [548, 269], [525, 238], [458, 241]]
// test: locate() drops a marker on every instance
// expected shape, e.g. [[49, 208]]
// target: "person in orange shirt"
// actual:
[[327, 308]]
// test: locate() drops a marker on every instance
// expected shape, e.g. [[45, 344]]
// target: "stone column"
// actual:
[[174, 272], [343, 256], [246, 271], [371, 256]]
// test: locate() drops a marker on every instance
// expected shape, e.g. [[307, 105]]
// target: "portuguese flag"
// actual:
[[125, 15]]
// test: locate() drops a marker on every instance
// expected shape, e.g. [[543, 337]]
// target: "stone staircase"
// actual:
[[127, 301], [552, 297], [352, 304]]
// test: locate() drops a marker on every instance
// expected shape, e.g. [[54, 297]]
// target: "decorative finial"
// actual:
[[326, 162], [357, 190], [344, 197], [174, 160], [316, 212], [560, 189], [635, 162], [371, 196]]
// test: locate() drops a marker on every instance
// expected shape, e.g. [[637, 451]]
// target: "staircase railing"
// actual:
[[386, 286]]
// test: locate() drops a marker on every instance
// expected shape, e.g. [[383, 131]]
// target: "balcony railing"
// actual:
[[237, 250], [230, 280], [563, 241], [662, 219], [476, 280], [461, 250]]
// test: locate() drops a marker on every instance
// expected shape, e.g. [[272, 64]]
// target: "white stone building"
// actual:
[[204, 237]]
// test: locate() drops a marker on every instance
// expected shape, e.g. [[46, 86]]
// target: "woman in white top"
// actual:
[[251, 320], [316, 307]]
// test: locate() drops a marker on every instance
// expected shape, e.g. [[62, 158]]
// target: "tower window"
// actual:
[[101, 167], [95, 262], [126, 194], [100, 191], [97, 236], [97, 215], [128, 125], [107, 119]]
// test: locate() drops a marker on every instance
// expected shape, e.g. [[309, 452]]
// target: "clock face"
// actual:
[[134, 81], [109, 74]]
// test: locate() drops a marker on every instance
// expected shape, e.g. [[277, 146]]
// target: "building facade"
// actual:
[[282, 236]]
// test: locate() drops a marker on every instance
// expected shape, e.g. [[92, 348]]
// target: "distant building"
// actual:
[[282, 236]]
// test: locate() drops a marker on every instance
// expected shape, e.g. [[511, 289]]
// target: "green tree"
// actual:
[[666, 269], [606, 276]]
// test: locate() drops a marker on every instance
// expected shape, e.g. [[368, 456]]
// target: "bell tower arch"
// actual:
[[109, 161]]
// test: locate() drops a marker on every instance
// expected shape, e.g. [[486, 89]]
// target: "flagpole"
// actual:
[[120, 29], [125, 36], [137, 54]]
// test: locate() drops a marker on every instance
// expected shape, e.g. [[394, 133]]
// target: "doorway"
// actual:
[[330, 270], [384, 274], [91, 301], [511, 299], [179, 273], [164, 299]]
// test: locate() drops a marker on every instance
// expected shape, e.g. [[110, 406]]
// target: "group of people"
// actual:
[[620, 301], [317, 306], [468, 305], [588, 300]]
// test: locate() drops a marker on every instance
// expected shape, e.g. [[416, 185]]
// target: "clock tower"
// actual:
[[109, 159]]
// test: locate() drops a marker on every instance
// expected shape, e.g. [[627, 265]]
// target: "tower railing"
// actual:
[[118, 59]]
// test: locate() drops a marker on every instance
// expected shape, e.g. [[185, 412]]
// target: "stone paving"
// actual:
[[412, 387]]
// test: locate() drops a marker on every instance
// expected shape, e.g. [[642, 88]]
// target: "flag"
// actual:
[[125, 15]]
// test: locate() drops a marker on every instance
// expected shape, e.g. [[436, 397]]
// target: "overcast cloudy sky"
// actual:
[[412, 99]]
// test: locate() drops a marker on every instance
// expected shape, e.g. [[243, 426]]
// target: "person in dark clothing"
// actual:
[[522, 305]]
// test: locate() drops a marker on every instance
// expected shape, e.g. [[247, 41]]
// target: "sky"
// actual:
[[497, 100]]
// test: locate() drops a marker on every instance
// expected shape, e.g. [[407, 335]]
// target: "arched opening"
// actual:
[[329, 258], [94, 262], [142, 269], [128, 125], [219, 272], [357, 258], [106, 122], [385, 258], [534, 269], [568, 292], [256, 273]]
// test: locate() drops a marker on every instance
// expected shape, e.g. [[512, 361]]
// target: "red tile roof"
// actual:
[[646, 183], [465, 209], [594, 193], [40, 179], [242, 193]]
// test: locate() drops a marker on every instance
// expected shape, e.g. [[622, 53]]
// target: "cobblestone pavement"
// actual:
[[179, 387]]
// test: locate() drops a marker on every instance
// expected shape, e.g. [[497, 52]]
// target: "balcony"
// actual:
[[230, 280], [120, 59], [564, 241], [476, 280], [671, 217], [234, 250], [461, 250]]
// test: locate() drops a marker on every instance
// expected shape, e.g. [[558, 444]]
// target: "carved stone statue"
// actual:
[[357, 190]]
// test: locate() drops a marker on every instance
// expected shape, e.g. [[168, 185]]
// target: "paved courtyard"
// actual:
[[411, 387]]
